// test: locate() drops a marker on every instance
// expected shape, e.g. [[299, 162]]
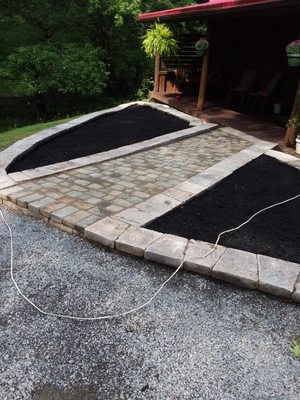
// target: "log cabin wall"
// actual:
[[255, 41], [250, 39]]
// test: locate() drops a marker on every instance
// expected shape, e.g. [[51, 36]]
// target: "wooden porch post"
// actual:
[[203, 82], [290, 133], [203, 79], [156, 73]]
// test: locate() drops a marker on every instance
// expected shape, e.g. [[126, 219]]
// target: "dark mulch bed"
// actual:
[[134, 124], [262, 182]]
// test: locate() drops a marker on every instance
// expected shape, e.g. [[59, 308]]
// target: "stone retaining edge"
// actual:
[[252, 271]]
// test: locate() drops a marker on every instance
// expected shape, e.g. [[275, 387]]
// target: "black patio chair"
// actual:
[[267, 92], [244, 87]]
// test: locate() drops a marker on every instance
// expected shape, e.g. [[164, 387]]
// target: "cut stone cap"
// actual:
[[167, 249], [197, 260], [276, 276], [238, 267], [106, 231], [135, 240]]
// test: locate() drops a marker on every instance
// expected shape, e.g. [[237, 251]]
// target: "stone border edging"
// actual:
[[125, 232], [252, 271], [284, 158], [24, 146]]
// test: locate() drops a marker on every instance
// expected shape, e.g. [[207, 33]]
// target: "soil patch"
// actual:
[[260, 183], [131, 125]]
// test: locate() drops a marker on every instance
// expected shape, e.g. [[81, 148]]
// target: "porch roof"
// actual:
[[208, 8]]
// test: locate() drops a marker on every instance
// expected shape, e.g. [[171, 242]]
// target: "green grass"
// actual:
[[12, 135]]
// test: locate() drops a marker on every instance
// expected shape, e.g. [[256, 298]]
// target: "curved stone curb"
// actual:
[[24, 146], [252, 271]]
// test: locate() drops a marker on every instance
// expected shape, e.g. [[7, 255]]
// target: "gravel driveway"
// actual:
[[199, 339]]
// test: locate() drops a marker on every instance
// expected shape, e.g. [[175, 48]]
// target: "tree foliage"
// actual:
[[155, 5], [36, 69], [49, 50], [73, 46]]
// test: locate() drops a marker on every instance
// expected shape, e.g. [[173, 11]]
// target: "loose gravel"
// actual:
[[200, 339]]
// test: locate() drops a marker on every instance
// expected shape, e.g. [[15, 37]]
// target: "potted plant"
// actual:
[[298, 144], [293, 53], [160, 41], [298, 136], [201, 46]]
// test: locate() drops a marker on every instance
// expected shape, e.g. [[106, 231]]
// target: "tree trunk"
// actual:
[[55, 102], [41, 107], [290, 136]]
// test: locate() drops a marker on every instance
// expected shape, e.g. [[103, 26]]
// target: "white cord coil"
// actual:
[[145, 304]]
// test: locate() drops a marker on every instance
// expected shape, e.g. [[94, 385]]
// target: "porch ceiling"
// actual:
[[212, 7]]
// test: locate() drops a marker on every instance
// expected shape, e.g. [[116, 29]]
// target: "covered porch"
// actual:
[[243, 35], [264, 127]]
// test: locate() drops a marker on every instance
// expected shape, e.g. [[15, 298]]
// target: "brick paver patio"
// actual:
[[113, 201], [81, 196]]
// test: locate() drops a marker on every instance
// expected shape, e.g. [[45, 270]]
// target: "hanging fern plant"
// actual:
[[160, 41]]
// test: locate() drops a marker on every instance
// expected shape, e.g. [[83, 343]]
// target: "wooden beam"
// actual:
[[156, 73], [297, 100], [203, 82], [204, 74]]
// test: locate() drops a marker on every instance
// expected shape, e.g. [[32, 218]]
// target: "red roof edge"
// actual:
[[211, 6]]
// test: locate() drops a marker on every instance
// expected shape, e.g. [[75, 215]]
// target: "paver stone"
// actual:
[[238, 267], [167, 249], [135, 240], [106, 231], [276, 276]]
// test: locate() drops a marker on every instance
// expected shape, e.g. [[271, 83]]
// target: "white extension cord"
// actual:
[[133, 310]]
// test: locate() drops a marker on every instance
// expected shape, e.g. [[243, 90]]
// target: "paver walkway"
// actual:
[[81, 196]]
